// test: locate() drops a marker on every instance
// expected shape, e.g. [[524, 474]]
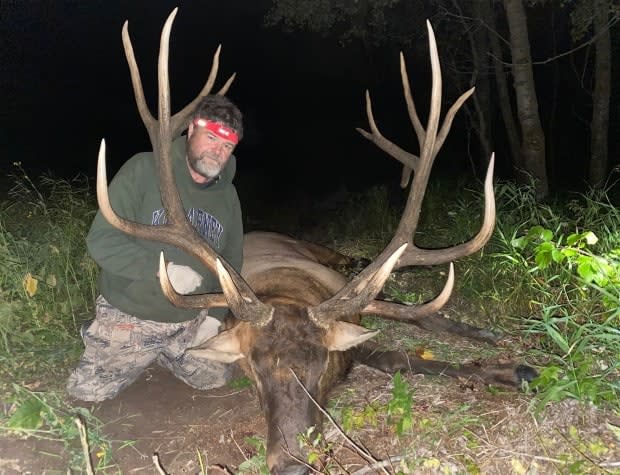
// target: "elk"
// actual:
[[293, 318]]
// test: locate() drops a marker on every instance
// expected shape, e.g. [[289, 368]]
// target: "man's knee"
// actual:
[[93, 386]]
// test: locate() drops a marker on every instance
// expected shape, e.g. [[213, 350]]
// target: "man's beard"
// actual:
[[204, 165]]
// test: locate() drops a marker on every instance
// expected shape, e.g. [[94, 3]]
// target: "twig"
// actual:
[[609, 464], [360, 450], [157, 464], [232, 436], [381, 464], [84, 443]]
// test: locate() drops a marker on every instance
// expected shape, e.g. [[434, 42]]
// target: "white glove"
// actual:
[[184, 279], [207, 329]]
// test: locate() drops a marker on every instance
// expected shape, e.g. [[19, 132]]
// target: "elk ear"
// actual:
[[224, 348], [343, 335]]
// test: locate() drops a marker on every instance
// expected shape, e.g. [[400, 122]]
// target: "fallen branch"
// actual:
[[85, 446]]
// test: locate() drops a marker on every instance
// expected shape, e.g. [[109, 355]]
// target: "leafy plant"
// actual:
[[48, 282], [399, 407], [257, 464], [45, 415], [580, 332], [353, 418]]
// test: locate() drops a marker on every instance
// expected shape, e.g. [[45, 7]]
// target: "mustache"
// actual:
[[206, 155]]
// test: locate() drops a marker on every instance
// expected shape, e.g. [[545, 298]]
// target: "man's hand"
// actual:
[[184, 279]]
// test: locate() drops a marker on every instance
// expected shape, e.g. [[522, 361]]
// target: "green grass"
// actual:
[[47, 280], [47, 287]]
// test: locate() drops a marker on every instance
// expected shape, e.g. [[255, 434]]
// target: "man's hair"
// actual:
[[220, 109]]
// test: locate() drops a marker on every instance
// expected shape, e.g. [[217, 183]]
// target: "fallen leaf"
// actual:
[[30, 284]]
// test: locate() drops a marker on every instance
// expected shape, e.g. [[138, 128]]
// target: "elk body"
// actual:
[[294, 319]]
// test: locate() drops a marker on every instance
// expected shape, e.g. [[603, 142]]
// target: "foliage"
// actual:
[[560, 266], [258, 462], [399, 407], [373, 21], [45, 415], [47, 280], [317, 449], [580, 332], [582, 17]]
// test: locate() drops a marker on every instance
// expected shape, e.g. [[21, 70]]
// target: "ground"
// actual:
[[458, 427]]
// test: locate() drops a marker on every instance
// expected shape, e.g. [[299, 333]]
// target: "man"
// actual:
[[135, 325]]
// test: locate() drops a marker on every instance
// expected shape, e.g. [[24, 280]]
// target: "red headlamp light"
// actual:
[[218, 129]]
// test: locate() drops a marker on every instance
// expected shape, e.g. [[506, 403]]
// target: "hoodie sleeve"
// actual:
[[114, 251]]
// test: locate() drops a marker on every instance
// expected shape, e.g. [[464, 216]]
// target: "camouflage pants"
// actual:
[[119, 347]]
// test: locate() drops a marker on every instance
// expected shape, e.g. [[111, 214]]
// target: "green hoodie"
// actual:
[[129, 266]]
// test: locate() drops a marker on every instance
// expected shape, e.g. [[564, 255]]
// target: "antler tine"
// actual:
[[411, 313], [447, 121], [375, 136], [181, 118], [411, 109], [413, 117], [162, 147], [416, 256], [148, 119], [354, 296]]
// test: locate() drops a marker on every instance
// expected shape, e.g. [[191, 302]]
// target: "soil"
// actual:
[[163, 416]]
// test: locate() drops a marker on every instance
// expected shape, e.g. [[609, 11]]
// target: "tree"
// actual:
[[503, 91], [532, 135], [601, 94], [365, 24]]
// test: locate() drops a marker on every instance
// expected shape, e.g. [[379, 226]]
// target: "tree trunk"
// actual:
[[601, 95], [503, 93], [478, 115], [532, 136], [482, 98]]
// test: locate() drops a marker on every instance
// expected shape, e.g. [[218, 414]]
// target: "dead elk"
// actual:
[[290, 311]]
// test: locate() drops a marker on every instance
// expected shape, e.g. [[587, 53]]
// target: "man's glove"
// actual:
[[184, 279]]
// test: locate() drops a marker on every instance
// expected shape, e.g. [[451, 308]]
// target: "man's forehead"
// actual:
[[219, 129]]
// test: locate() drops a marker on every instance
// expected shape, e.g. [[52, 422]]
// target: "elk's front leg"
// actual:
[[507, 374]]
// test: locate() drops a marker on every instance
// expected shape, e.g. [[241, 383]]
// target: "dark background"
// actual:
[[65, 85]]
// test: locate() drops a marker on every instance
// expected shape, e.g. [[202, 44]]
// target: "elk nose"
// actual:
[[294, 469]]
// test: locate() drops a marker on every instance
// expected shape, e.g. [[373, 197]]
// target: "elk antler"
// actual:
[[431, 139], [178, 231]]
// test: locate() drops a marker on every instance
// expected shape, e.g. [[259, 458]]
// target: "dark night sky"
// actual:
[[65, 85]]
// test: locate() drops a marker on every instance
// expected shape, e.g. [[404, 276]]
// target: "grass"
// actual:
[[549, 277], [47, 287], [48, 283]]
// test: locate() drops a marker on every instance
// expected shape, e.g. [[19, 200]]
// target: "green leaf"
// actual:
[[557, 256], [520, 242], [544, 254], [590, 238], [28, 416], [558, 339], [535, 232], [586, 270], [572, 239]]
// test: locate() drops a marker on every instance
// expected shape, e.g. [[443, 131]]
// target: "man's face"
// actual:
[[207, 153]]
